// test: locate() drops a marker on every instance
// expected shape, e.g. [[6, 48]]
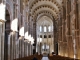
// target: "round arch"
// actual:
[[43, 11]]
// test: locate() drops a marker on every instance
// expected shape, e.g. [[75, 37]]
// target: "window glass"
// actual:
[[49, 28], [45, 30], [40, 28]]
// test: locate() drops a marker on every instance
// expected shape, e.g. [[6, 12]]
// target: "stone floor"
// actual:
[[45, 58]]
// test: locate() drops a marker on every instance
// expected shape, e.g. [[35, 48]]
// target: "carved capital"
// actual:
[[3, 21]]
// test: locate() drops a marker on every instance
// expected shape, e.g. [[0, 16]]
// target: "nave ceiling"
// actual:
[[50, 8]]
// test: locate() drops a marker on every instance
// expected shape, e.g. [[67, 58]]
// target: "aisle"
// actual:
[[45, 58]]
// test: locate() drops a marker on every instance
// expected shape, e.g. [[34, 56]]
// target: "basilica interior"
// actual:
[[28, 27]]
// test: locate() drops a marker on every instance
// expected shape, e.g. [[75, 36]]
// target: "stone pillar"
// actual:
[[11, 46], [60, 36], [64, 41], [78, 42], [20, 46], [24, 48], [30, 49], [2, 26], [27, 49], [76, 28], [15, 43], [17, 48], [14, 46], [40, 47], [55, 37], [68, 35], [47, 34], [34, 35]]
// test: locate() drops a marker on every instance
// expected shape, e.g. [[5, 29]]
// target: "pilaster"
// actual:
[[2, 35]]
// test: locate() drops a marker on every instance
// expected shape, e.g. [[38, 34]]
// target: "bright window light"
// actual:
[[40, 28], [21, 32], [14, 25], [43, 47], [45, 29], [40, 39], [29, 38], [37, 40], [47, 46], [26, 35], [49, 28], [32, 40], [2, 11]]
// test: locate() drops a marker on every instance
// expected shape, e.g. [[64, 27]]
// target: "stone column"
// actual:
[[30, 49], [15, 42], [42, 36], [60, 35], [34, 35], [2, 26], [17, 48], [78, 42], [55, 37], [47, 34], [76, 28], [68, 35], [40, 47], [24, 48], [27, 49], [20, 47], [11, 46]]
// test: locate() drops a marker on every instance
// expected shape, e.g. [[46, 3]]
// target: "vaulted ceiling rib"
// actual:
[[44, 14], [52, 6], [44, 11]]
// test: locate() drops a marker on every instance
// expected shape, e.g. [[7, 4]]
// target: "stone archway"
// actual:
[[45, 35]]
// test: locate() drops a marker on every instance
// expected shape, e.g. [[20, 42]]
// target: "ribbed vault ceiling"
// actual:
[[44, 20], [45, 7]]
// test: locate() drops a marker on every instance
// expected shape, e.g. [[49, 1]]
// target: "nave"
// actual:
[[28, 27]]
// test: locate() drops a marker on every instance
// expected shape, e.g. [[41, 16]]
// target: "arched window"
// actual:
[[45, 29], [40, 29], [49, 29]]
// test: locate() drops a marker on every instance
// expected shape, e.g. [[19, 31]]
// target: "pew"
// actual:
[[57, 57], [39, 57]]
